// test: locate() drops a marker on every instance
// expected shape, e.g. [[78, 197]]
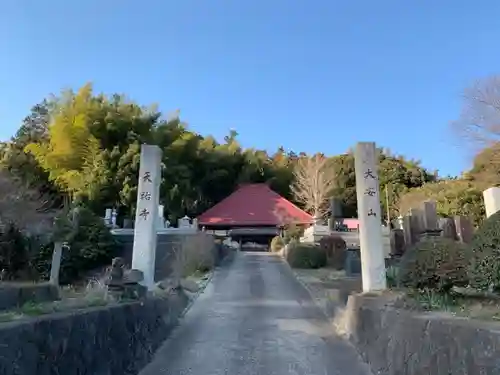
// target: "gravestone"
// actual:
[[145, 236], [184, 222], [407, 230], [107, 216], [336, 214], [491, 198], [415, 224], [352, 262], [370, 228], [447, 226], [428, 220], [464, 228], [397, 241]]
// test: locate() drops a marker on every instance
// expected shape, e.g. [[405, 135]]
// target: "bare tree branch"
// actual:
[[479, 119], [24, 207], [314, 181]]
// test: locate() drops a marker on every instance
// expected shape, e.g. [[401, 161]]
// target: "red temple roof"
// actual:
[[254, 204]]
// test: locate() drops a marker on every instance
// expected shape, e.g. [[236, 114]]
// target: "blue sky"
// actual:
[[315, 75]]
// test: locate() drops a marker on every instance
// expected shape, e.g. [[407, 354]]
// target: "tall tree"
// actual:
[[313, 184], [453, 197], [479, 120], [72, 155]]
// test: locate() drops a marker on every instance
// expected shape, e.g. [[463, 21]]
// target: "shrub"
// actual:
[[392, 273], [434, 263], [277, 244], [14, 256], [90, 246], [293, 232], [306, 256], [335, 249], [484, 267], [194, 253]]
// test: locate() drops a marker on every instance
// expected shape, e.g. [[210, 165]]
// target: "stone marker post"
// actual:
[[55, 266], [370, 224], [491, 198], [146, 216]]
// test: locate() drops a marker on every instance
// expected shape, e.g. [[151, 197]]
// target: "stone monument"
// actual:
[[107, 217], [184, 222], [146, 217], [369, 215], [491, 198]]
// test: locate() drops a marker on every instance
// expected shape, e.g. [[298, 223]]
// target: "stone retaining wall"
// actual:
[[14, 295], [112, 340], [402, 342]]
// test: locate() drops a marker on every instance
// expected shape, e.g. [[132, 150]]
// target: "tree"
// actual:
[[23, 166], [25, 207], [479, 120], [453, 197], [395, 172], [485, 171], [313, 184], [72, 156]]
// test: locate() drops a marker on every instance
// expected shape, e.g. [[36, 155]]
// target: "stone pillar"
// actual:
[[370, 223], [491, 198], [146, 216], [56, 263]]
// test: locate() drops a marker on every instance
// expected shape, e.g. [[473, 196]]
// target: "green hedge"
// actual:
[[434, 263], [90, 246], [306, 256], [335, 248], [484, 267]]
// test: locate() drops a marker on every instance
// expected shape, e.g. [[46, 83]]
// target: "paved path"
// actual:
[[254, 318]]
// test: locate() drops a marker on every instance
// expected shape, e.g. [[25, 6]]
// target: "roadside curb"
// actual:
[[203, 285], [194, 296]]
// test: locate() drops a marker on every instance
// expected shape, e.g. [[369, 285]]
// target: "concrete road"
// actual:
[[254, 318]]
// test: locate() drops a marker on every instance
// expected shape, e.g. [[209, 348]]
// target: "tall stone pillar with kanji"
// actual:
[[369, 215], [146, 216]]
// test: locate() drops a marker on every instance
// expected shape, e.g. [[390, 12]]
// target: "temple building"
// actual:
[[253, 213]]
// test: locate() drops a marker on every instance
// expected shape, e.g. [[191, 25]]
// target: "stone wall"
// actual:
[[165, 248], [112, 340], [14, 295], [402, 342]]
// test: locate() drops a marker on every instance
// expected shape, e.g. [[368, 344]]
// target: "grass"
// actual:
[[93, 295], [455, 304]]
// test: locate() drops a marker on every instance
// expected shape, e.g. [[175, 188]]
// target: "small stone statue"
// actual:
[[114, 279], [124, 283], [134, 290]]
